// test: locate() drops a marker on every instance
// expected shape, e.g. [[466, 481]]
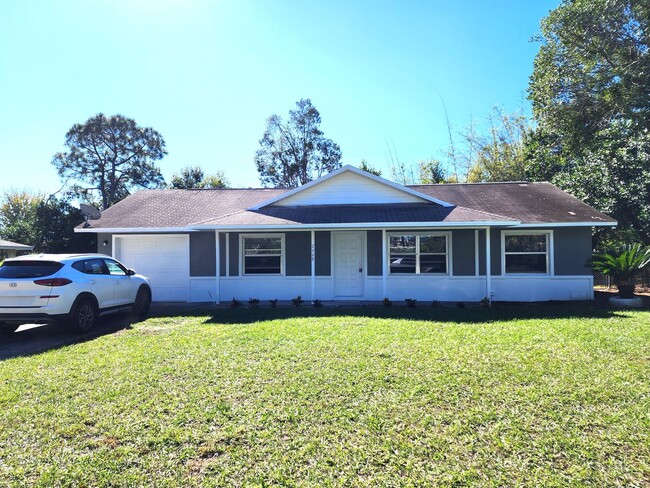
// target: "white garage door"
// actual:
[[164, 259]]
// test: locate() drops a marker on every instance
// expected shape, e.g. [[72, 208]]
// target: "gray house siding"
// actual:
[[105, 249], [298, 253], [464, 261], [234, 254], [203, 258], [373, 243], [323, 253], [572, 249]]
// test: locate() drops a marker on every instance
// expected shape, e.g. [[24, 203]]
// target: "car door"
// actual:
[[100, 282], [123, 285]]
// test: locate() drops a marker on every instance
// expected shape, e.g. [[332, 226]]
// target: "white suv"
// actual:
[[67, 288]]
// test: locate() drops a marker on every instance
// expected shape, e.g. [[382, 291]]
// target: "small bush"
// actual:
[[486, 302], [387, 303], [253, 302], [274, 302], [317, 303], [435, 304], [234, 303], [297, 301], [460, 304], [410, 302]]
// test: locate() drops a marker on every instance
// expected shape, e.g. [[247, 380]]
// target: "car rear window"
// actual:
[[29, 269]]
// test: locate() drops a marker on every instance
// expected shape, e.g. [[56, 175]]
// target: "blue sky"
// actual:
[[207, 73]]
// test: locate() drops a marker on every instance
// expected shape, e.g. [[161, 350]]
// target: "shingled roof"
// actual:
[[506, 203]]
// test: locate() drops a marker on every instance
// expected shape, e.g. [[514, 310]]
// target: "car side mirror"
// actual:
[[130, 272]]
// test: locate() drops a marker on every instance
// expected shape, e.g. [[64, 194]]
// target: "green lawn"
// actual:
[[527, 396]]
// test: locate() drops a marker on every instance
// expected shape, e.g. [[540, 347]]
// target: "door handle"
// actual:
[[360, 269]]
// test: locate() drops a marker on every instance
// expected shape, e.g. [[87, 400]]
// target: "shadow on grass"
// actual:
[[38, 339], [471, 314]]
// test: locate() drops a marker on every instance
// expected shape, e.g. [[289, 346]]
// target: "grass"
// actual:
[[522, 396]]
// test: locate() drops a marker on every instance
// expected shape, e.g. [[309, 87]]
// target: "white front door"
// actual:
[[348, 264]]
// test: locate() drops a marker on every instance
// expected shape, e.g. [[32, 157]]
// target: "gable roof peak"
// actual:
[[406, 192]]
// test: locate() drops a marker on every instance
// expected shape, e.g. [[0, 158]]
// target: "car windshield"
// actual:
[[28, 269]]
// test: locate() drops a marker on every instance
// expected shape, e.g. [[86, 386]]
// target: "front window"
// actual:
[[526, 253], [262, 255], [418, 254]]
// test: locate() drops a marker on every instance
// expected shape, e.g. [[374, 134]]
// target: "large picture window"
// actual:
[[418, 254], [262, 255], [526, 253]]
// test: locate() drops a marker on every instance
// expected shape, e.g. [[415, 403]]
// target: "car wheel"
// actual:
[[142, 302], [8, 328], [83, 316]]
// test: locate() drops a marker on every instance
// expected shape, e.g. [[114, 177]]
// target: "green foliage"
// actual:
[[387, 302], [499, 155], [431, 171], [624, 265], [45, 223], [297, 301], [295, 152], [364, 166], [590, 92], [111, 154], [192, 177]]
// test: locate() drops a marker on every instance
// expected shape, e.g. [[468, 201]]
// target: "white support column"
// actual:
[[384, 264], [217, 297], [488, 265], [227, 254], [476, 253], [313, 265]]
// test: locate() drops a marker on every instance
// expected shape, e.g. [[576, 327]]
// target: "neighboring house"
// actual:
[[10, 249], [351, 235]]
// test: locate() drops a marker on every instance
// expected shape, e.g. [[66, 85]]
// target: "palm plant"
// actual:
[[623, 266]]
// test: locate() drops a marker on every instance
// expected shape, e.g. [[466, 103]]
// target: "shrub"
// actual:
[[623, 265], [435, 304], [317, 303], [297, 301], [486, 302], [234, 303], [253, 302], [410, 302], [273, 302], [387, 303]]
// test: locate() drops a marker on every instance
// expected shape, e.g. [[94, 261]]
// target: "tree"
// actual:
[[194, 177], [500, 155], [295, 152], [113, 155], [431, 172], [364, 166], [45, 223], [590, 92]]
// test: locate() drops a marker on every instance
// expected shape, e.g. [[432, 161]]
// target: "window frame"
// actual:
[[447, 254], [242, 254], [550, 258]]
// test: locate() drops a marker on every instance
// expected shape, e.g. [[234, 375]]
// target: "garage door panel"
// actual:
[[163, 259]]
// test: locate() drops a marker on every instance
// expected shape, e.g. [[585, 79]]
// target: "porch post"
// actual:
[[384, 264], [313, 265], [488, 265], [227, 254], [217, 297]]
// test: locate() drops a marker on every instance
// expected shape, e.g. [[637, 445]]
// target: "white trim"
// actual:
[[568, 224], [217, 267], [488, 265], [448, 253], [351, 169], [550, 256], [139, 230], [373, 225], [227, 254], [476, 252], [312, 255], [384, 262], [283, 253]]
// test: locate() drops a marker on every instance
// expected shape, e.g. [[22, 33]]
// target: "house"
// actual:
[[10, 249], [351, 235]]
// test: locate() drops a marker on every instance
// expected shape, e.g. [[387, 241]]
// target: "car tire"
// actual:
[[83, 316], [8, 328], [142, 302]]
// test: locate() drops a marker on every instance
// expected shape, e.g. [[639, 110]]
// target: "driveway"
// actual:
[[33, 338]]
